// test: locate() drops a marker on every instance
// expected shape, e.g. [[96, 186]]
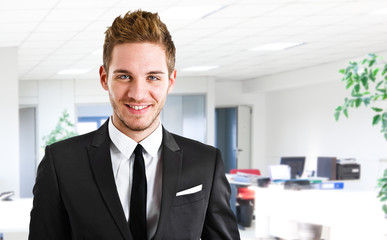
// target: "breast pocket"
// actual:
[[188, 198], [187, 216]]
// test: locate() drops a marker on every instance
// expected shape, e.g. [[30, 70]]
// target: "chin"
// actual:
[[135, 126]]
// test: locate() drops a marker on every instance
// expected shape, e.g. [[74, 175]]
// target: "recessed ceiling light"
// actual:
[[190, 12], [277, 46], [199, 68], [73, 71]]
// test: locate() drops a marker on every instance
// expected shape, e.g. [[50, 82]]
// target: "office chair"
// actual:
[[245, 199]]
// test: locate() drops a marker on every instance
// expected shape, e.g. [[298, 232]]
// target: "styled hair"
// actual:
[[137, 27]]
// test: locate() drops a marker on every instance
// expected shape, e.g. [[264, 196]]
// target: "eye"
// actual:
[[123, 77], [153, 78]]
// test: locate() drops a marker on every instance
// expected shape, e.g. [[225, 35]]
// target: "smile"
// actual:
[[137, 107]]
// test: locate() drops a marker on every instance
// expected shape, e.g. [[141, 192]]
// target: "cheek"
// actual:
[[160, 93], [117, 91]]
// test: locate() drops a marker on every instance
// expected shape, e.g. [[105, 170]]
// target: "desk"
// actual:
[[349, 215], [15, 215]]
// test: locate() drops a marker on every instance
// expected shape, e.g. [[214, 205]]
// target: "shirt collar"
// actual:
[[126, 145]]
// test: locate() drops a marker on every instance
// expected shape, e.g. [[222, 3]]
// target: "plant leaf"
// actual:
[[376, 119], [345, 112], [372, 77], [378, 84], [357, 88], [364, 81], [384, 207], [349, 83], [358, 102], [375, 72], [337, 115], [367, 101], [384, 70], [377, 109], [371, 62]]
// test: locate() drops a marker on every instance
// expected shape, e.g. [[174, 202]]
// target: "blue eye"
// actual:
[[153, 78], [124, 77]]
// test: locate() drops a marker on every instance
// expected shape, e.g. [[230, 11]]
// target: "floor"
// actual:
[[249, 233]]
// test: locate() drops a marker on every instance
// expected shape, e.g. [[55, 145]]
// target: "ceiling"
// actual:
[[56, 37]]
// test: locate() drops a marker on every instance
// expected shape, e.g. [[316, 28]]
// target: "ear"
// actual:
[[172, 79], [103, 77]]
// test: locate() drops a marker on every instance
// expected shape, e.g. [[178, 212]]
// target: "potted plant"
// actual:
[[367, 82], [63, 130]]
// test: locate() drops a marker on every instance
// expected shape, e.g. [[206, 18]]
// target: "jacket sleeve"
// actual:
[[49, 219], [220, 222]]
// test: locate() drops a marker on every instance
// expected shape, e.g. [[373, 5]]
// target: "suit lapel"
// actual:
[[100, 161], [172, 162]]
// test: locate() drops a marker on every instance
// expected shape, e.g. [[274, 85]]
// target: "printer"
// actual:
[[338, 169], [347, 171]]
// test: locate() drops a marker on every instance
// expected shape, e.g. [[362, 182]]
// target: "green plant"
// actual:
[[382, 183], [63, 130], [367, 81]]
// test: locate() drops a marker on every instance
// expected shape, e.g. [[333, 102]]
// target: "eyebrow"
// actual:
[[156, 72], [120, 71]]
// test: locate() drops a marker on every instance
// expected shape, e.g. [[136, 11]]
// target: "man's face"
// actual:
[[138, 84]]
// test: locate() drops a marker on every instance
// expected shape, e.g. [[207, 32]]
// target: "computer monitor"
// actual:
[[296, 165]]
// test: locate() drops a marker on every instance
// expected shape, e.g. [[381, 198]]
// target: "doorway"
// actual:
[[233, 136]]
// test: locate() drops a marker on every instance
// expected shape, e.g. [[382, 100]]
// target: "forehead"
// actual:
[[126, 53]]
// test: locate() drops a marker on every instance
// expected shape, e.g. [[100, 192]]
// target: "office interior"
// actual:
[[50, 52]]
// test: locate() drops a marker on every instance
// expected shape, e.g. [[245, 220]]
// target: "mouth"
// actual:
[[138, 107]]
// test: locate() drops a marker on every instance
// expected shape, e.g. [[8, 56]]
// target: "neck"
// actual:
[[136, 135]]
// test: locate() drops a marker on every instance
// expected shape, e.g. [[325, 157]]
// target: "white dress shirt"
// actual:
[[122, 156]]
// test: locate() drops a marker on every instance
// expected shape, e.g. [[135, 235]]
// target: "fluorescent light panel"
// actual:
[[277, 46], [380, 12], [199, 68], [189, 12], [73, 71]]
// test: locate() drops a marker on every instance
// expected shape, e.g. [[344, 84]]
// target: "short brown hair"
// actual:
[[136, 27]]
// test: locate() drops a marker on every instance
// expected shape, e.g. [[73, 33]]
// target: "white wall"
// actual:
[[9, 121], [301, 122]]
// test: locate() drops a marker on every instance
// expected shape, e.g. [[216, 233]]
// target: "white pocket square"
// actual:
[[191, 190]]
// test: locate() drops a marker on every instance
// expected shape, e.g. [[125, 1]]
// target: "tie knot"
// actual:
[[138, 149]]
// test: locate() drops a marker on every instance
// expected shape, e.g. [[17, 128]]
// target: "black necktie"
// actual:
[[137, 218]]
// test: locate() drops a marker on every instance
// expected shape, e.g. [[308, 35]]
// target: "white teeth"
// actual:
[[137, 107]]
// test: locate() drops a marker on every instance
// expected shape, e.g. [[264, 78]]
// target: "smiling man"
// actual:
[[131, 178], [138, 82]]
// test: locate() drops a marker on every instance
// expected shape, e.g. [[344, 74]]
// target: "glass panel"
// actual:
[[185, 115], [194, 117]]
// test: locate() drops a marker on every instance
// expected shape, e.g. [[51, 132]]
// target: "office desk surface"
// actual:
[[349, 215], [15, 215]]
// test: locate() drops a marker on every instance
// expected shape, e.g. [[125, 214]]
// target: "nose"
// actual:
[[137, 89]]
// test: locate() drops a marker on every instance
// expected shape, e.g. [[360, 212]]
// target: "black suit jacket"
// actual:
[[75, 196]]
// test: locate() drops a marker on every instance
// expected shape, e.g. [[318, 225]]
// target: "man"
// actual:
[[94, 187]]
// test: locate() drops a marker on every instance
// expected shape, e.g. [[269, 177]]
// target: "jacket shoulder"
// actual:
[[74, 140]]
